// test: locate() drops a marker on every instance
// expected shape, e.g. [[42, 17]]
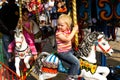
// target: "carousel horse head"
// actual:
[[97, 40], [102, 45], [19, 38]]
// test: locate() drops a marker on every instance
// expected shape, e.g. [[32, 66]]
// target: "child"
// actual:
[[27, 31], [64, 37]]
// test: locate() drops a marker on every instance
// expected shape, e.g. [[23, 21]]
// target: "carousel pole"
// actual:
[[37, 12], [75, 21], [20, 11], [23, 77], [74, 14]]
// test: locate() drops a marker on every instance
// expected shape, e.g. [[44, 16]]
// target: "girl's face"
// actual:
[[25, 16], [62, 26]]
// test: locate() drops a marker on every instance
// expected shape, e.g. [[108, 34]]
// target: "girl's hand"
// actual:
[[75, 28], [35, 57]]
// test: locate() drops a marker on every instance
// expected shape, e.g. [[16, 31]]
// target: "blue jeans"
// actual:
[[6, 41], [71, 60]]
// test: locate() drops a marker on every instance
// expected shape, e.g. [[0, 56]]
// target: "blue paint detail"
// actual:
[[118, 9], [82, 9], [51, 57], [107, 8], [103, 60]]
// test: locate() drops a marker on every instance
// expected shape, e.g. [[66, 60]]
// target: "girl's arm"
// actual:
[[70, 36]]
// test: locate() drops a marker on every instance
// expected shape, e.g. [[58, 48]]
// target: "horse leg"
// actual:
[[89, 76], [101, 73], [17, 62], [104, 70], [95, 76], [26, 61]]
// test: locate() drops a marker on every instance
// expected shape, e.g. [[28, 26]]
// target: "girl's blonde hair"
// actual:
[[66, 18]]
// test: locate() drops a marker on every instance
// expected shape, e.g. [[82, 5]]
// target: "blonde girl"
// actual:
[[64, 37]]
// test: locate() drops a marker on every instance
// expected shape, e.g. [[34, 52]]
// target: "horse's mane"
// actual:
[[84, 47]]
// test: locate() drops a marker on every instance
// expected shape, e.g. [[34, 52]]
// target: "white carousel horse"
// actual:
[[91, 44], [22, 50], [89, 69]]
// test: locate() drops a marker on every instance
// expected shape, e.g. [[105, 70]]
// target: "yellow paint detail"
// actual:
[[88, 66]]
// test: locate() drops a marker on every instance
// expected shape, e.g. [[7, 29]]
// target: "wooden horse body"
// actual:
[[22, 50]]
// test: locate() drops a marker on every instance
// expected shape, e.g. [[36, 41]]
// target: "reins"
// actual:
[[22, 50], [105, 51]]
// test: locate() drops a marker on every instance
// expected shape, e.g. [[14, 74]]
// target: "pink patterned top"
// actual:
[[26, 34], [61, 45]]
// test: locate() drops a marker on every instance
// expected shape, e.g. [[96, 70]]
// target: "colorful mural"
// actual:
[[100, 9]]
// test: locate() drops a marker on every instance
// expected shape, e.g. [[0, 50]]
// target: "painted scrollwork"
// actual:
[[85, 3], [116, 8], [104, 13]]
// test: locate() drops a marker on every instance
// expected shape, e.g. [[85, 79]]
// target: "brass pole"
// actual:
[[37, 12], [75, 21], [20, 11]]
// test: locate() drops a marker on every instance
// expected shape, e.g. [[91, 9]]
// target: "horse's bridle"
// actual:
[[26, 50], [22, 50], [97, 44]]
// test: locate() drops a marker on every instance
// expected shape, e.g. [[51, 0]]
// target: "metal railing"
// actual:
[[7, 74]]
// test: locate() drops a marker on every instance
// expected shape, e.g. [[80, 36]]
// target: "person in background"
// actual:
[[61, 8], [9, 15], [43, 19], [53, 13], [35, 7], [64, 37], [47, 10]]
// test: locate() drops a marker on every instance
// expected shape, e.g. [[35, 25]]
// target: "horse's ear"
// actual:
[[100, 36]]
